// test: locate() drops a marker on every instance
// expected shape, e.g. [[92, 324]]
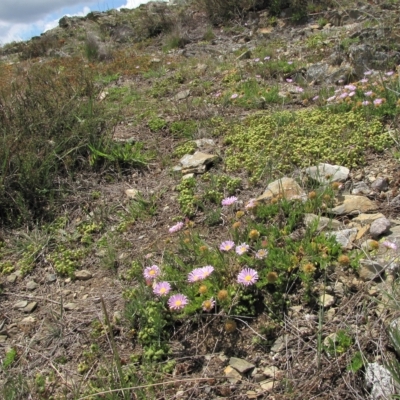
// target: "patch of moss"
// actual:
[[285, 140]]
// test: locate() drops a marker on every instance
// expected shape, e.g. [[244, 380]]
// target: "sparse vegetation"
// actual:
[[139, 278]]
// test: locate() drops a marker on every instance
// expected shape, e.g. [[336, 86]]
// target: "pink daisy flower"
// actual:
[[378, 102], [177, 301], [390, 245], [247, 277], [195, 275], [177, 227], [234, 96], [365, 102], [227, 245], [151, 272], [251, 204], [228, 201], [289, 80], [350, 87], [161, 288], [208, 305], [369, 93], [242, 248]]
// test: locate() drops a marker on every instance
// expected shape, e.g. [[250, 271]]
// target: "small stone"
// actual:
[[353, 205], [3, 338], [281, 343], [132, 193], [251, 394], [271, 371], [380, 184], [268, 385], [379, 227], [20, 304], [240, 365], [330, 314], [344, 237], [330, 340], [232, 375], [11, 278], [369, 270], [83, 275], [30, 307], [51, 278], [28, 320], [379, 380], [31, 285], [326, 300], [70, 306]]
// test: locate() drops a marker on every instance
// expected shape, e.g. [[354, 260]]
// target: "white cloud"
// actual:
[[134, 3]]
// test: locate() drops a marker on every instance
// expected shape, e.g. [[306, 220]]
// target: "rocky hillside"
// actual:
[[199, 200]]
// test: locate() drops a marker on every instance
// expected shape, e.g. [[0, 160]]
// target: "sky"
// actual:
[[22, 19]]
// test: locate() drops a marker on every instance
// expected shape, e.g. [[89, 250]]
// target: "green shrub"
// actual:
[[47, 124]]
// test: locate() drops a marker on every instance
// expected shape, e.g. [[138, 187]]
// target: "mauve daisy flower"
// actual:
[[351, 94], [364, 80], [299, 89], [177, 227], [331, 98], [208, 305], [161, 288], [365, 103], [350, 87], [234, 96], [228, 201], [378, 102], [289, 80], [389, 73], [368, 72], [151, 272], [389, 245], [247, 277], [206, 271], [315, 98], [177, 301], [369, 93], [261, 254], [227, 245], [256, 60], [290, 62], [266, 58], [195, 275], [251, 204], [242, 248]]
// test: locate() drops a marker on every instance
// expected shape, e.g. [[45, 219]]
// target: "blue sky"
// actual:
[[22, 19]]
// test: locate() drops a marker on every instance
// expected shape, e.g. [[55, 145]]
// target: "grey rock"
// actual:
[[326, 300], [379, 227], [268, 385], [83, 275], [271, 371], [240, 365], [281, 343], [360, 188], [3, 338], [365, 219], [20, 304], [344, 237], [380, 184], [197, 162], [182, 95], [232, 375], [379, 380], [31, 285], [285, 187], [353, 205], [30, 307], [324, 223], [369, 269], [51, 278], [12, 278], [70, 306], [327, 173]]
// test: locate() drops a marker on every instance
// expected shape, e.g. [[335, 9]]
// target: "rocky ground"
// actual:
[[57, 325]]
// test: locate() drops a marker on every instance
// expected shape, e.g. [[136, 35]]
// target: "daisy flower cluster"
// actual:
[[368, 91]]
